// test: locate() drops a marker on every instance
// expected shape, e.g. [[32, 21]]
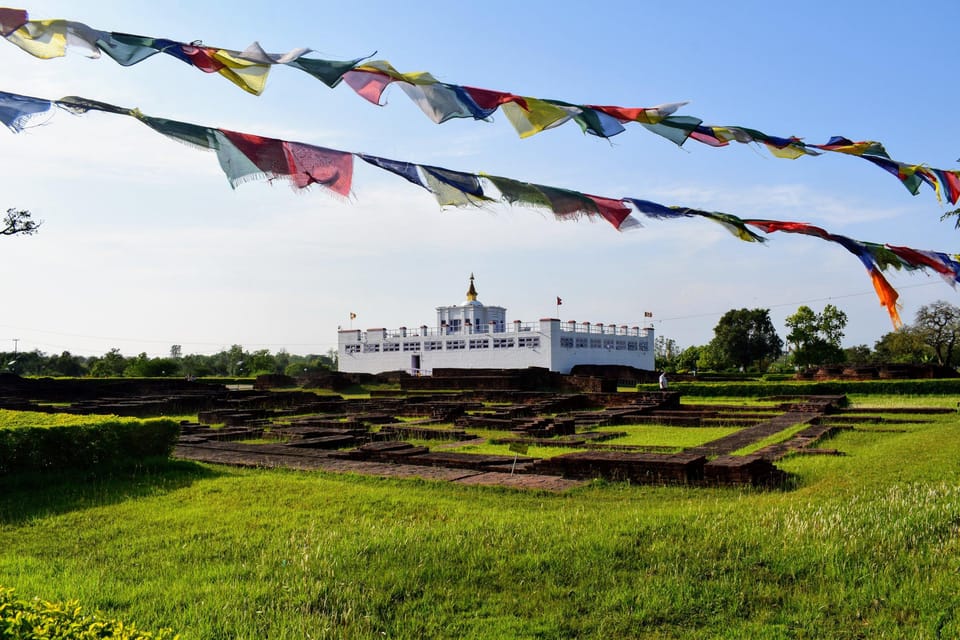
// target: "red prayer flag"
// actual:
[[624, 114], [316, 165], [913, 256], [951, 185], [559, 301], [369, 84], [613, 211], [268, 154], [11, 20], [708, 138], [202, 58], [489, 99]]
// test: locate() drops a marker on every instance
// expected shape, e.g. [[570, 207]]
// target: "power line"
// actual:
[[712, 314]]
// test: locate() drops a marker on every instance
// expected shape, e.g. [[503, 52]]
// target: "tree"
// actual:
[[955, 213], [803, 327], [145, 367], [816, 336], [111, 365], [689, 358], [196, 365], [831, 322], [664, 351], [24, 363], [330, 359], [282, 360], [237, 360], [176, 351], [710, 358], [19, 221], [906, 345], [744, 337], [66, 364], [261, 362], [939, 324], [858, 354]]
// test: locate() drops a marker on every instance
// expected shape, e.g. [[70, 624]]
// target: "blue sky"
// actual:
[[145, 245]]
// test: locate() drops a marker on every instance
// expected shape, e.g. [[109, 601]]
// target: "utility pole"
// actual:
[[15, 341]]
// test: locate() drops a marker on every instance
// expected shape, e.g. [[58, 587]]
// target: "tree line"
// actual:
[[746, 340], [232, 362]]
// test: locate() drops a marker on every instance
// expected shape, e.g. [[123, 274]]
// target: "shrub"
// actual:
[[941, 386], [38, 619], [112, 443]]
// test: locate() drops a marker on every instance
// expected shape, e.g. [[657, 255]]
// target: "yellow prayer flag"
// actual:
[[387, 69], [249, 76], [538, 116], [790, 152], [42, 38]]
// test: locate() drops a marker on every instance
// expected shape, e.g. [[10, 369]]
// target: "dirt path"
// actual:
[[247, 455], [749, 435]]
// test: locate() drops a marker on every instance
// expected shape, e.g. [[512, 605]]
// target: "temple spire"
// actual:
[[472, 291]]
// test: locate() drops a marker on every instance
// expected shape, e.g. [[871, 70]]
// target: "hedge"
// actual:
[[936, 386], [113, 443], [38, 619]]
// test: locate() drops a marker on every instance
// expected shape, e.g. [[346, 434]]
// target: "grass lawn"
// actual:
[[866, 546]]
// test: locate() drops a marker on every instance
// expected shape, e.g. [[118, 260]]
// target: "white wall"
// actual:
[[560, 348]]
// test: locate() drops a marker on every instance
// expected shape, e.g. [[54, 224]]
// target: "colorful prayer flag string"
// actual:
[[441, 101], [245, 156]]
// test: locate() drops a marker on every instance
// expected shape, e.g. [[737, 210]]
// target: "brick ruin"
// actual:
[[301, 429]]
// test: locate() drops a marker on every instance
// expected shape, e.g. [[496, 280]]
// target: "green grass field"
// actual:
[[866, 546]]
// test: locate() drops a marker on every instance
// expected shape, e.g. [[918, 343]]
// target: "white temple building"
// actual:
[[472, 335]]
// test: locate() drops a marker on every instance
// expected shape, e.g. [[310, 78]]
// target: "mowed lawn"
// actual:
[[866, 546]]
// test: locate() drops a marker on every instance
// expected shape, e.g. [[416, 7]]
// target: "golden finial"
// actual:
[[472, 291]]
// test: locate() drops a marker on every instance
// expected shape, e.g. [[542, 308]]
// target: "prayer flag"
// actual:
[[406, 170], [11, 20], [247, 156], [42, 38], [316, 165], [438, 101], [16, 111], [266, 154], [249, 76], [329, 72], [368, 84], [537, 116], [127, 50], [516, 192], [611, 210], [453, 187]]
